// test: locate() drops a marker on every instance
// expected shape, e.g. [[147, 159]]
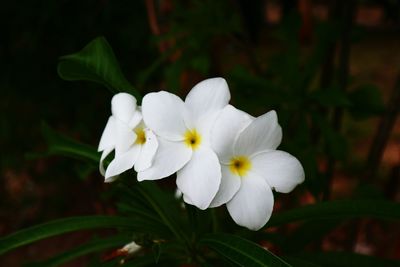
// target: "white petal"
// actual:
[[111, 179], [131, 248], [252, 205], [187, 200], [105, 153], [147, 153], [170, 157], [204, 126], [165, 114], [281, 170], [226, 129], [125, 138], [122, 163], [135, 120], [230, 184], [123, 106], [208, 96], [199, 180], [107, 139], [264, 133]]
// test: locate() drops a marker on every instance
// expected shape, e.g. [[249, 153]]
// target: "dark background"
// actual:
[[284, 55]]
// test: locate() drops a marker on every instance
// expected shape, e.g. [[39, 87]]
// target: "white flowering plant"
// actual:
[[221, 165]]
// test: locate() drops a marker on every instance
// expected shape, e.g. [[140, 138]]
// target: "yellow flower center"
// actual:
[[240, 165], [140, 136], [192, 139]]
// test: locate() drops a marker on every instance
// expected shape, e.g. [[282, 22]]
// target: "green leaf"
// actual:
[[59, 144], [367, 101], [96, 62], [61, 226], [342, 209], [92, 246], [331, 98], [344, 259], [295, 261], [336, 143], [166, 259], [162, 206], [157, 252], [307, 233], [263, 92], [136, 204], [241, 251], [149, 261]]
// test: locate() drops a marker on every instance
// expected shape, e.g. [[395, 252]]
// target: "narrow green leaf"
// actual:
[[61, 226], [342, 209], [133, 203], [157, 252], [299, 262], [307, 233], [132, 209], [59, 144], [96, 62], [162, 206], [241, 251], [367, 101], [92, 246], [149, 261], [332, 97], [345, 259], [110, 263]]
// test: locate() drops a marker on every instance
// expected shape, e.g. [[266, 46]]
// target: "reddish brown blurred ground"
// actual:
[[32, 199]]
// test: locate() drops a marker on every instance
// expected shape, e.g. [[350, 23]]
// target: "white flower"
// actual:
[[125, 132], [183, 130], [250, 165], [131, 248]]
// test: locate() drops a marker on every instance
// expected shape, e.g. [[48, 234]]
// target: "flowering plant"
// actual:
[[221, 155]]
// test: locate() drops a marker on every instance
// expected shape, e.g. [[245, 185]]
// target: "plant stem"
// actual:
[[327, 70], [383, 132], [347, 8]]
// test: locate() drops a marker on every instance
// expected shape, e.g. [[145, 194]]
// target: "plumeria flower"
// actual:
[[134, 144], [183, 130], [126, 251], [251, 166], [131, 248]]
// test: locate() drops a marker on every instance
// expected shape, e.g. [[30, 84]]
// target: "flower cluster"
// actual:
[[221, 155]]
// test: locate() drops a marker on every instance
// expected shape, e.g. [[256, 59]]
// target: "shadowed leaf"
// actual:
[[342, 209], [61, 226], [96, 62], [241, 251]]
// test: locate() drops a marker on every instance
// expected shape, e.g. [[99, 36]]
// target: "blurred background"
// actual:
[[329, 68]]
